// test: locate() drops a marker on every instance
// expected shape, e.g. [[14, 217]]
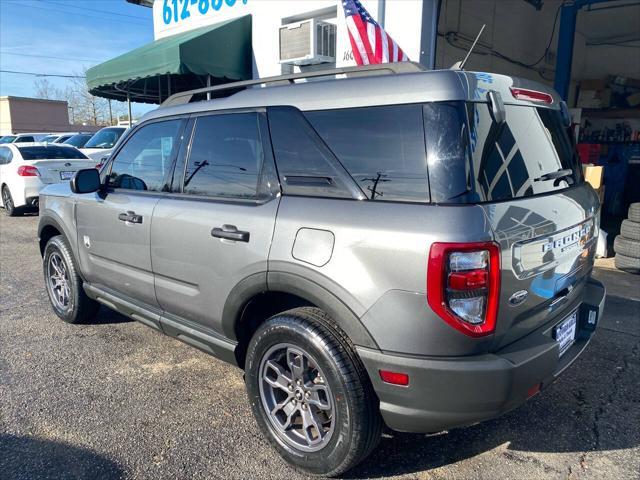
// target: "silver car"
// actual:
[[412, 249]]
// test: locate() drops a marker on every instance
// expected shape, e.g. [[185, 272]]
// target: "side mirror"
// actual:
[[86, 181], [496, 107]]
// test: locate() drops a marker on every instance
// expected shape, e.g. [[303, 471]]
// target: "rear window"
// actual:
[[530, 154], [383, 149], [51, 152]]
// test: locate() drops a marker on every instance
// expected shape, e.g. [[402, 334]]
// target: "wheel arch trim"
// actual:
[[276, 281]]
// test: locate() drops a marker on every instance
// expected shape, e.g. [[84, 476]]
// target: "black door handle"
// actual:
[[130, 217], [230, 232]]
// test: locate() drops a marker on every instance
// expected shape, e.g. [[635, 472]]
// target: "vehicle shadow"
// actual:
[[32, 458], [107, 316], [590, 408]]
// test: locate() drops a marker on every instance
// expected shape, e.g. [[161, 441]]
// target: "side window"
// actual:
[[25, 140], [381, 147], [226, 157], [4, 156], [305, 165], [146, 158]]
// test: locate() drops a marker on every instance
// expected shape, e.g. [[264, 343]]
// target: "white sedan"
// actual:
[[25, 168]]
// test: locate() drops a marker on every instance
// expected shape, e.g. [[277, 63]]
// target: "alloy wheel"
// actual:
[[59, 283], [7, 201], [296, 398]]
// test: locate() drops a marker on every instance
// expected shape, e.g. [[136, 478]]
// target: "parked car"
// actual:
[[102, 142], [27, 167], [23, 138], [59, 137], [414, 249], [79, 140]]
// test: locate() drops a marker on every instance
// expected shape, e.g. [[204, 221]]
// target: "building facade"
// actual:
[[409, 22]]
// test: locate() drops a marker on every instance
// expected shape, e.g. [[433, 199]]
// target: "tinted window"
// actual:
[[27, 139], [145, 159], [7, 139], [450, 174], [62, 139], [50, 152], [78, 140], [381, 147], [305, 165], [503, 161], [105, 138], [226, 156]]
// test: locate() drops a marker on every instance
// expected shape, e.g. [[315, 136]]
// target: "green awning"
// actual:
[[220, 53]]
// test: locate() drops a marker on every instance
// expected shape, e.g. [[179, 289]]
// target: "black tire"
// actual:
[[357, 423], [634, 212], [630, 230], [78, 307], [627, 264], [7, 201], [627, 247]]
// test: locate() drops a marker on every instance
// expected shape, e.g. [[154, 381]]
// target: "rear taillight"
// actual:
[[463, 285], [28, 171], [531, 95]]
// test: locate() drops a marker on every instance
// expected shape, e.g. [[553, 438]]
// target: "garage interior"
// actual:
[[589, 50]]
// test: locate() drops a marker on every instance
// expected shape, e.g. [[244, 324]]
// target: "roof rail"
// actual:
[[181, 98]]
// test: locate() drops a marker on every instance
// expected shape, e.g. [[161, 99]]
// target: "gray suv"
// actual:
[[412, 249]]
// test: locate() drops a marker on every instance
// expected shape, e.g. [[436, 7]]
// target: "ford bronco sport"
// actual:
[[413, 249]]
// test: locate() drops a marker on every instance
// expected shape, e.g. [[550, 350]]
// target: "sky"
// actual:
[[66, 37]]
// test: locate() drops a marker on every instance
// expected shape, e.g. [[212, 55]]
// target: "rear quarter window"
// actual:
[[51, 152], [382, 148]]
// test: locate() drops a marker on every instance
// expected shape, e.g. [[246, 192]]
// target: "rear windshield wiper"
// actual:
[[558, 175]]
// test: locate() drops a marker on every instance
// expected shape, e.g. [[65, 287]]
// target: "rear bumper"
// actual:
[[446, 392], [24, 194]]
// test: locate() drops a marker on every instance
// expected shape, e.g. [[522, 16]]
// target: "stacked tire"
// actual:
[[627, 244]]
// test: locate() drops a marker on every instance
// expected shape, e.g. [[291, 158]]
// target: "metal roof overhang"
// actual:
[[149, 74]]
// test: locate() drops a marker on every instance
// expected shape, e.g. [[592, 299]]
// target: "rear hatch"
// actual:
[[55, 163], [524, 174]]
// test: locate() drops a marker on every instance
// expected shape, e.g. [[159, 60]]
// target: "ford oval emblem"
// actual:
[[518, 297]]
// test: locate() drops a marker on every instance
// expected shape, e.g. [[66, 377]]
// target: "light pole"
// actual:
[[73, 118]]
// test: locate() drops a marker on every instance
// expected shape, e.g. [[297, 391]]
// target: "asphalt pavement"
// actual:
[[114, 399]]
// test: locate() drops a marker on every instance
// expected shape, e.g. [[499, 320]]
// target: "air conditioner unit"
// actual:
[[308, 42]]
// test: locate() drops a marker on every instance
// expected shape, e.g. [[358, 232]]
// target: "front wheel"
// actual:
[[310, 393], [64, 285]]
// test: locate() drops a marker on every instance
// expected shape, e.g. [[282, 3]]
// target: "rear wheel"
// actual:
[[64, 285], [310, 393], [7, 201]]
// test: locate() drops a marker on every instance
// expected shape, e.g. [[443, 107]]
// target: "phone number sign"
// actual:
[[174, 16]]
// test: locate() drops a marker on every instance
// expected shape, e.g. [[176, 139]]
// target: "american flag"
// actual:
[[369, 42]]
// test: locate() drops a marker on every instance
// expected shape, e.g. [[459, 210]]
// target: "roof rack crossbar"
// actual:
[[181, 98]]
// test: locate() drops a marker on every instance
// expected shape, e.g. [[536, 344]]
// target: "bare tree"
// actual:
[[45, 89], [87, 108]]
